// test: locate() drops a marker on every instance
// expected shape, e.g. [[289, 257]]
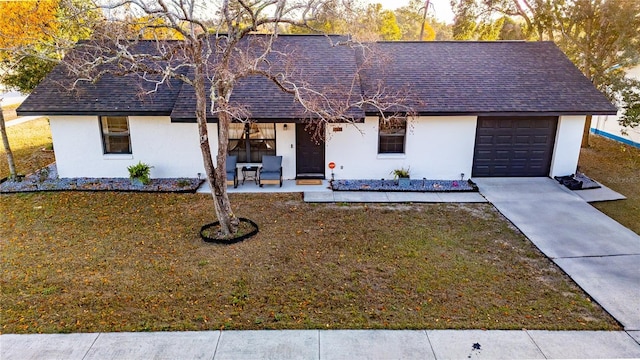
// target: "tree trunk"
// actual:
[[586, 131], [5, 142], [216, 177]]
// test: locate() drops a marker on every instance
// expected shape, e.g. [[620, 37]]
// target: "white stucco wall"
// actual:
[[607, 125], [171, 148], [435, 148], [567, 147]]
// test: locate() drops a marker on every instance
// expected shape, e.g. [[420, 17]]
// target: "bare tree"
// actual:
[[213, 53], [5, 143]]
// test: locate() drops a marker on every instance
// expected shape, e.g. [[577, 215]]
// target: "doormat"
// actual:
[[308, 182]]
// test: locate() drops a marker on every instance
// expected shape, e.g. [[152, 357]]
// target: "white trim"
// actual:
[[391, 156], [117, 156]]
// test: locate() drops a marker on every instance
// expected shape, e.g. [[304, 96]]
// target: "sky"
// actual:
[[441, 8]]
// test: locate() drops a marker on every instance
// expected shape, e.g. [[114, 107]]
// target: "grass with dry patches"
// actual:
[[95, 262], [27, 141], [617, 166]]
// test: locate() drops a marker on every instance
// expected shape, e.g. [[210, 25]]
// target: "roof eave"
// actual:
[[507, 113], [259, 120], [91, 113]]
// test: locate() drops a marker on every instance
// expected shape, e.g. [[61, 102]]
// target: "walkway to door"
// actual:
[[597, 252]]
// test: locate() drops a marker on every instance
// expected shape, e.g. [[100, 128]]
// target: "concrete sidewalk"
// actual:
[[325, 344], [393, 197], [21, 119], [598, 253]]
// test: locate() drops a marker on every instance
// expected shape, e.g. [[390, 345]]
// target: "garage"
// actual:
[[514, 146]]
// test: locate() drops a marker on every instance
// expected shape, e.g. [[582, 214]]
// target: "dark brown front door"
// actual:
[[514, 146], [309, 154]]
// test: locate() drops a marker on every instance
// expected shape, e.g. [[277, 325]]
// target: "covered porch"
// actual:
[[287, 187]]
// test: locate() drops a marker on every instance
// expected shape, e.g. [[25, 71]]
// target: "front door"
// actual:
[[309, 153]]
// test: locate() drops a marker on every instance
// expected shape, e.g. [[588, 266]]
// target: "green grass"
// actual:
[[26, 141], [617, 166], [94, 262]]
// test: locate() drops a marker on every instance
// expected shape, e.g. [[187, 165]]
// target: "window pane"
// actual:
[[115, 124], [117, 144], [115, 135], [392, 134], [251, 142]]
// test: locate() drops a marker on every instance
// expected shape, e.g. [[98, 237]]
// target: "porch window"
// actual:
[[250, 142], [115, 134], [391, 135]]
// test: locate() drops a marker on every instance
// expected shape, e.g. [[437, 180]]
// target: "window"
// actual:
[[392, 134], [115, 134], [250, 142]]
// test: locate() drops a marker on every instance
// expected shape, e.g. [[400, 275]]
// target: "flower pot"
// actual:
[[137, 182], [404, 182]]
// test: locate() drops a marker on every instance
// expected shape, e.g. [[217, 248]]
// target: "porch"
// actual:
[[287, 186], [323, 194]]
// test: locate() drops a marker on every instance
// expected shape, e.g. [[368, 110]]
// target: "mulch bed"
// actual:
[[46, 179], [423, 185]]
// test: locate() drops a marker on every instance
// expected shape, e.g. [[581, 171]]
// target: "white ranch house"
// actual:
[[479, 109]]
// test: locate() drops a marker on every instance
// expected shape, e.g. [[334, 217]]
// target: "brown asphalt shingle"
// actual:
[[434, 78]]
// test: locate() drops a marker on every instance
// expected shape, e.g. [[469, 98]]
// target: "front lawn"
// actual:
[[27, 141], [617, 166], [97, 262]]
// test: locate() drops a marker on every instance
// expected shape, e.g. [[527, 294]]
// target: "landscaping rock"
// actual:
[[414, 185], [46, 179]]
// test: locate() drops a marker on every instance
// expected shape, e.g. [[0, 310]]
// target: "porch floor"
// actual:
[[287, 186], [323, 194]]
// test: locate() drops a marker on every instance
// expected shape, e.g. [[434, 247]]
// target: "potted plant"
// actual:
[[139, 174], [402, 175]]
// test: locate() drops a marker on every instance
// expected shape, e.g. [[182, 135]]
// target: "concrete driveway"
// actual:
[[598, 253]]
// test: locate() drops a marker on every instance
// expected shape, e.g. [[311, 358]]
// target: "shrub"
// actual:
[[141, 172]]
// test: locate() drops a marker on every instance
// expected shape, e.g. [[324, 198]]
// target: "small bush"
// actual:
[[140, 171], [183, 182], [401, 173]]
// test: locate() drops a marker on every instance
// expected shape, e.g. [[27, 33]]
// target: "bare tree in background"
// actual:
[[5, 144], [212, 53]]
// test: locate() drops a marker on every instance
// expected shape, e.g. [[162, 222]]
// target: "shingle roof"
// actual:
[[308, 60], [435, 77], [484, 78], [111, 94]]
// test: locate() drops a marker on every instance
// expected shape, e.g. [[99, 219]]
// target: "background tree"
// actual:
[[410, 18], [465, 19], [375, 23], [34, 36], [7, 148], [602, 37], [511, 30], [30, 33], [334, 17]]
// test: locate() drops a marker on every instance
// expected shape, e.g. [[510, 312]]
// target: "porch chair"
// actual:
[[271, 170], [232, 171]]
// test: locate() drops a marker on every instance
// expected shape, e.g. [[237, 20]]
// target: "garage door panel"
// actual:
[[514, 146], [540, 140], [521, 140]]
